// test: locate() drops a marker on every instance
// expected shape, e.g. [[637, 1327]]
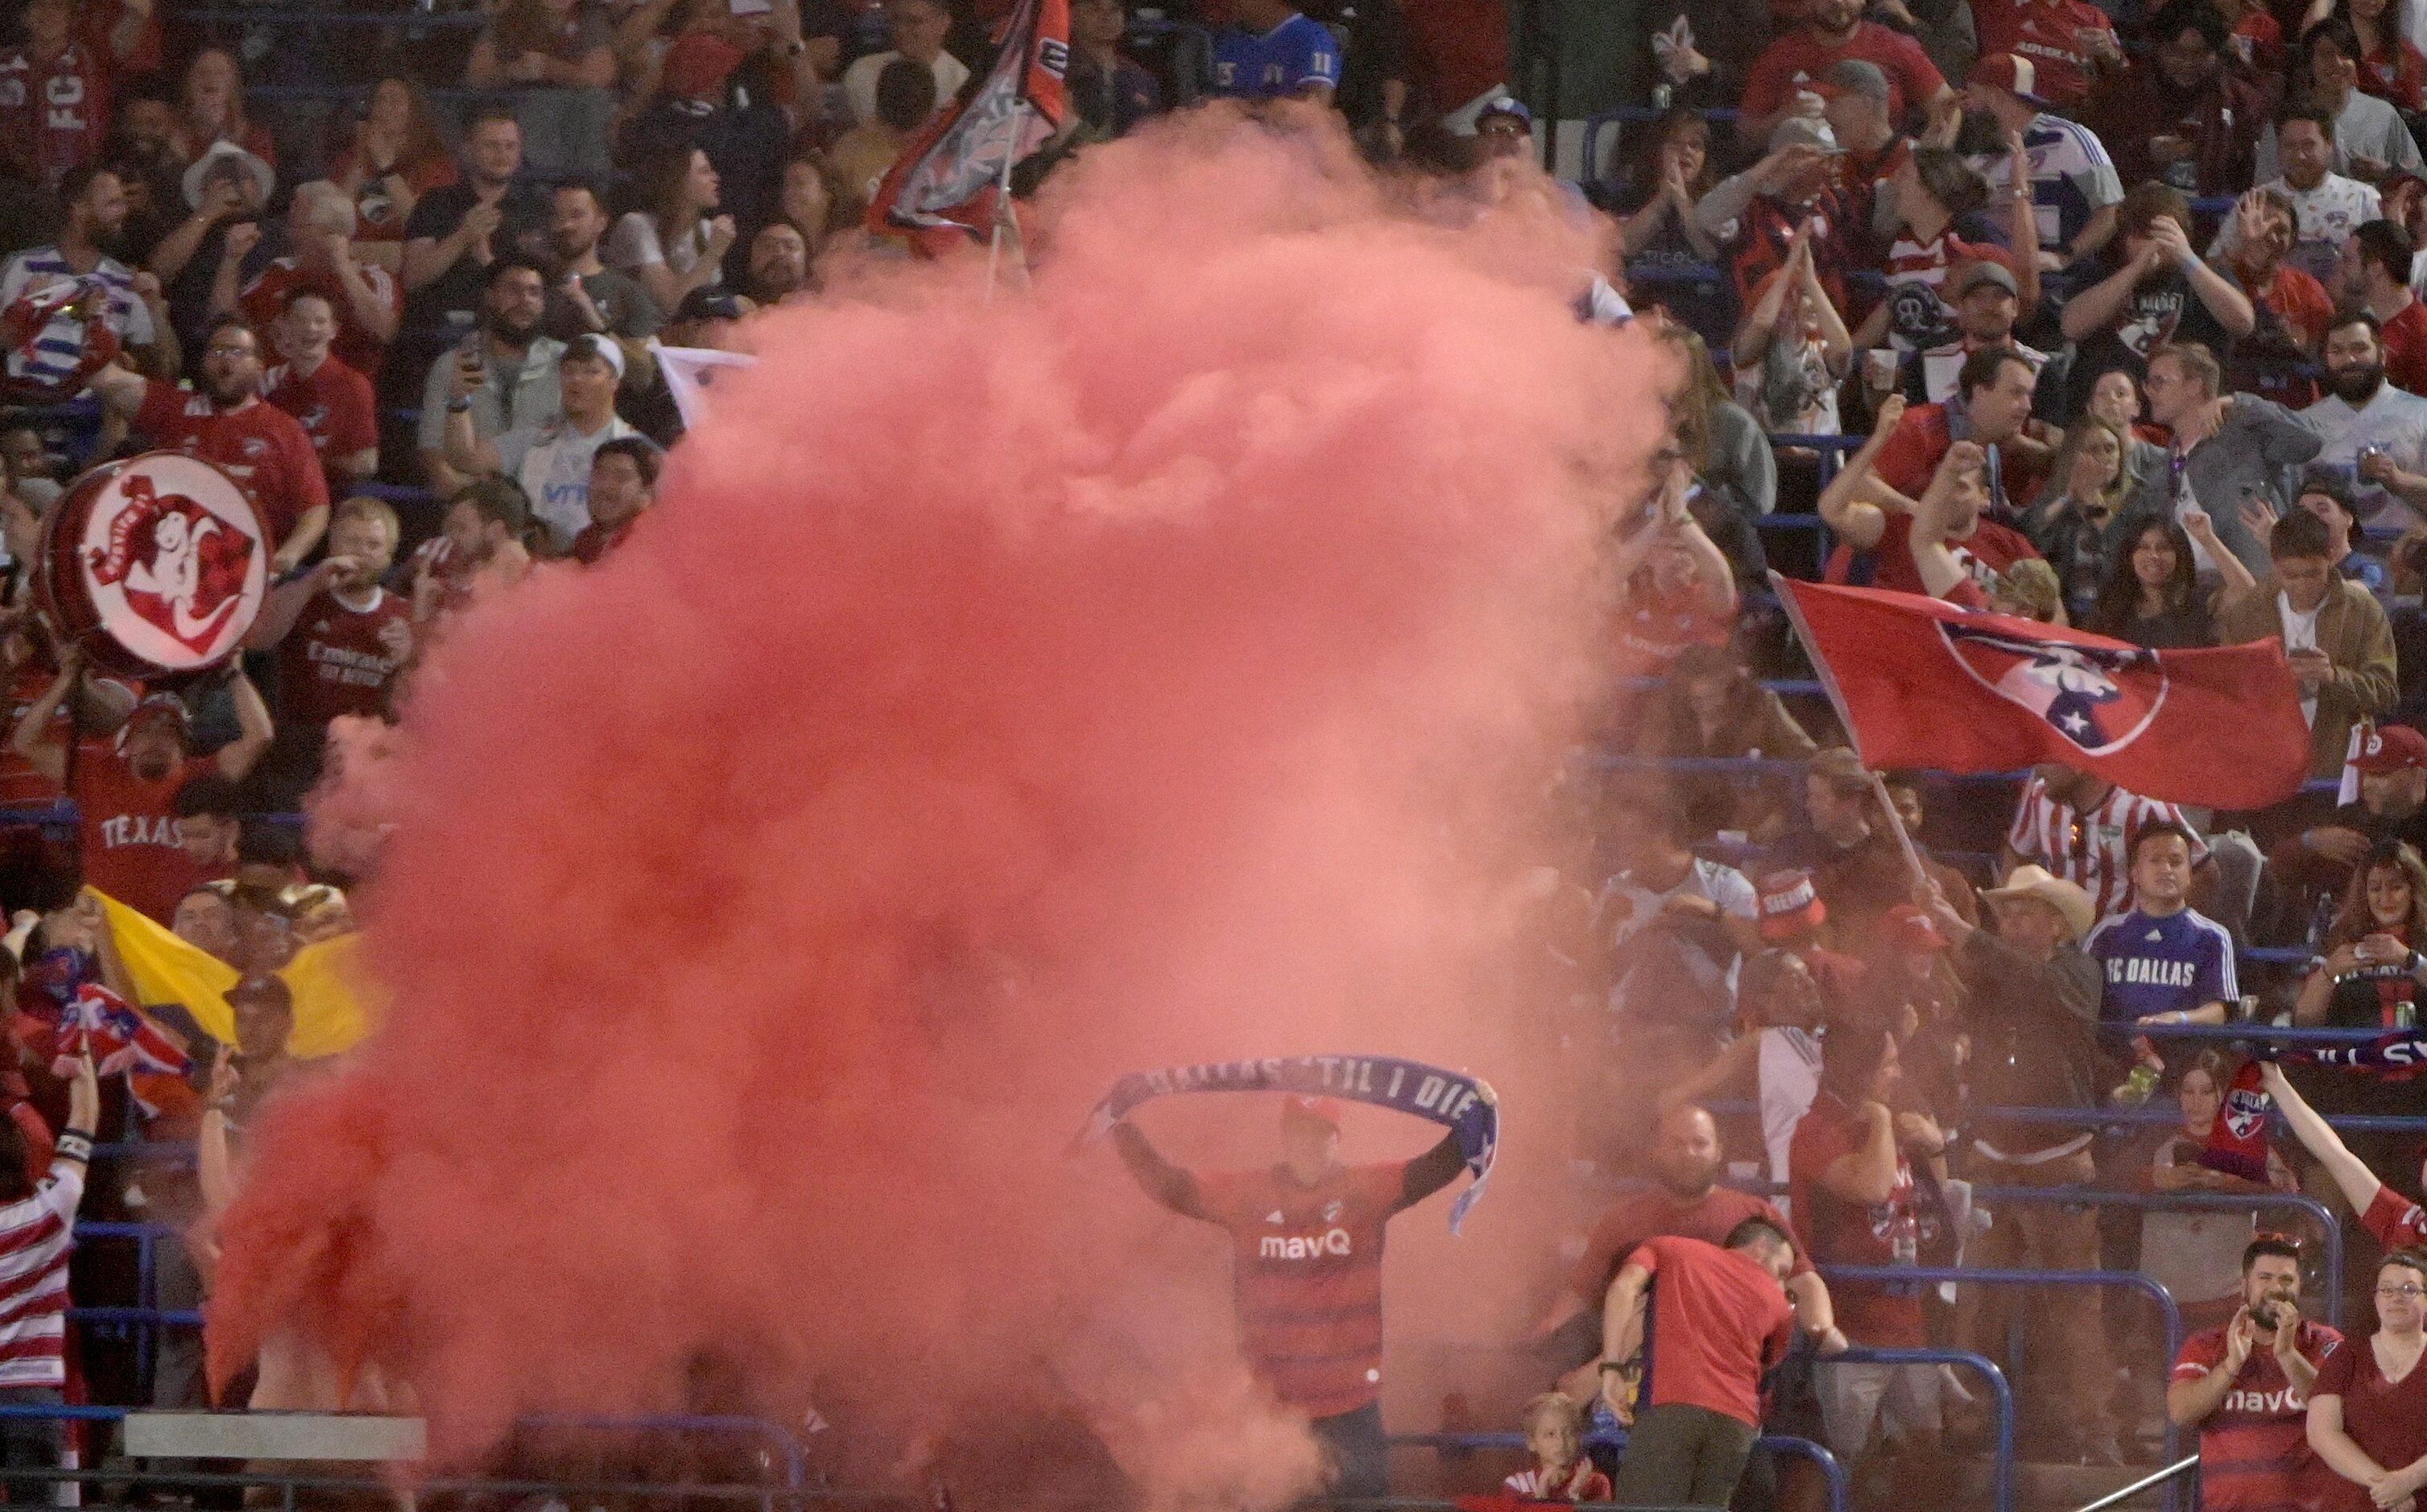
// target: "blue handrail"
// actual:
[[2330, 1265], [2003, 1471], [1966, 1277]]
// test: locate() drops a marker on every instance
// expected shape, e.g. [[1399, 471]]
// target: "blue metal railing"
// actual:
[[2330, 1264], [1962, 1276], [2002, 1390]]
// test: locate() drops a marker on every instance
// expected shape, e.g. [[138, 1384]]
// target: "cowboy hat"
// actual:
[[2070, 901]]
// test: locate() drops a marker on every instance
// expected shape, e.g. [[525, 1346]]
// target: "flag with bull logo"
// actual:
[[949, 180], [1922, 683]]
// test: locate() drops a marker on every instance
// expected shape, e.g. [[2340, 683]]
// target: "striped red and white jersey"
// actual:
[[35, 1237], [2091, 850]]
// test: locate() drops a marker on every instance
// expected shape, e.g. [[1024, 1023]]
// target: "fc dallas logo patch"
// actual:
[[2079, 691], [173, 557], [2244, 1111]]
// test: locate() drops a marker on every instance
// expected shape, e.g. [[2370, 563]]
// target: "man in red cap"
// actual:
[[125, 789], [1306, 1260], [2387, 781]]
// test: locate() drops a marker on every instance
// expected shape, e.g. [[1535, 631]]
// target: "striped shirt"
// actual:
[[1306, 1266], [1919, 316], [59, 348], [2072, 177], [2091, 849], [2255, 1453], [35, 1237]]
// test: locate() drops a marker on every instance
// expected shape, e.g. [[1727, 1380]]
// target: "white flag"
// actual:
[[691, 372]]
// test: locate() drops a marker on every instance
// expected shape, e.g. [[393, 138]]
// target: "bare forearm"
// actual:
[[2091, 310], [175, 249], [1812, 1307], [2230, 307], [2189, 1402], [1621, 1317], [2343, 1455]]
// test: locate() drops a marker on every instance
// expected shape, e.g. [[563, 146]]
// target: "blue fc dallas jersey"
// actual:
[[1293, 54], [2162, 966]]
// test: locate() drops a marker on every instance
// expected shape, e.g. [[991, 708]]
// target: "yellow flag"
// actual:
[[334, 1007]]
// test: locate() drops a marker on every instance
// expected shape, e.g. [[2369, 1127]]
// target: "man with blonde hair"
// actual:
[[342, 640]]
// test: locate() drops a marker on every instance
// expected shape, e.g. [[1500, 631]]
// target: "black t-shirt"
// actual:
[[457, 291], [2380, 827], [2161, 309]]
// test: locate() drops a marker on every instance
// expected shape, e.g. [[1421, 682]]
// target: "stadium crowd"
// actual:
[[2097, 317]]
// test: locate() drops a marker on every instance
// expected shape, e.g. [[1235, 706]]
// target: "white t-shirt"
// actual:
[[552, 462], [2300, 634], [2391, 420], [2197, 1255], [1788, 1063], [859, 82], [635, 244], [2367, 127], [2329, 214]]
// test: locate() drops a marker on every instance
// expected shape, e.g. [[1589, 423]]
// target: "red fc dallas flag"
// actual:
[[1922, 683], [950, 176]]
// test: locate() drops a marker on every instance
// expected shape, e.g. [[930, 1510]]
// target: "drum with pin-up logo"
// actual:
[[156, 565]]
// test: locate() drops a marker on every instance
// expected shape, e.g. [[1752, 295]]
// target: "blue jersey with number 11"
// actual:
[[1283, 61]]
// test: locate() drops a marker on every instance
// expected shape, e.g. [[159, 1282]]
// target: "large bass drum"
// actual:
[[156, 565]]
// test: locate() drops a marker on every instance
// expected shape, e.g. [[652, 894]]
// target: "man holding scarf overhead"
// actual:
[[1305, 1252]]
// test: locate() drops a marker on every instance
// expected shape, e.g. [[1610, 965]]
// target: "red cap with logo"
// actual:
[[1313, 1110], [2011, 71], [2390, 748]]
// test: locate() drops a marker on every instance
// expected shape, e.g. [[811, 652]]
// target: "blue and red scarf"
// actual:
[[1463, 1104]]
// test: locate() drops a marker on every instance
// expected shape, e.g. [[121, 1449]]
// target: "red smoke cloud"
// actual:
[[1161, 665]]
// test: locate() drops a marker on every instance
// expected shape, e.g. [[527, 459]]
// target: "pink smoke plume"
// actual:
[[1166, 663]]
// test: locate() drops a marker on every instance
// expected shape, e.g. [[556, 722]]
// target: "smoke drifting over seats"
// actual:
[[1164, 664]]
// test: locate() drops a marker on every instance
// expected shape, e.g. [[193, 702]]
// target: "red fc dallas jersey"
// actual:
[[52, 115], [2048, 32], [334, 406], [340, 660], [2396, 1223], [261, 446], [1307, 1267], [2255, 1448], [130, 841]]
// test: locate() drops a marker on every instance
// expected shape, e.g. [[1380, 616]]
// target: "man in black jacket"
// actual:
[[2032, 1011]]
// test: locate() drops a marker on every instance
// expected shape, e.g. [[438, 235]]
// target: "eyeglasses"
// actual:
[[2406, 1292]]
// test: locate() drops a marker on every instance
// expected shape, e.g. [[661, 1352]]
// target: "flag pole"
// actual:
[[1846, 721], [1002, 213]]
